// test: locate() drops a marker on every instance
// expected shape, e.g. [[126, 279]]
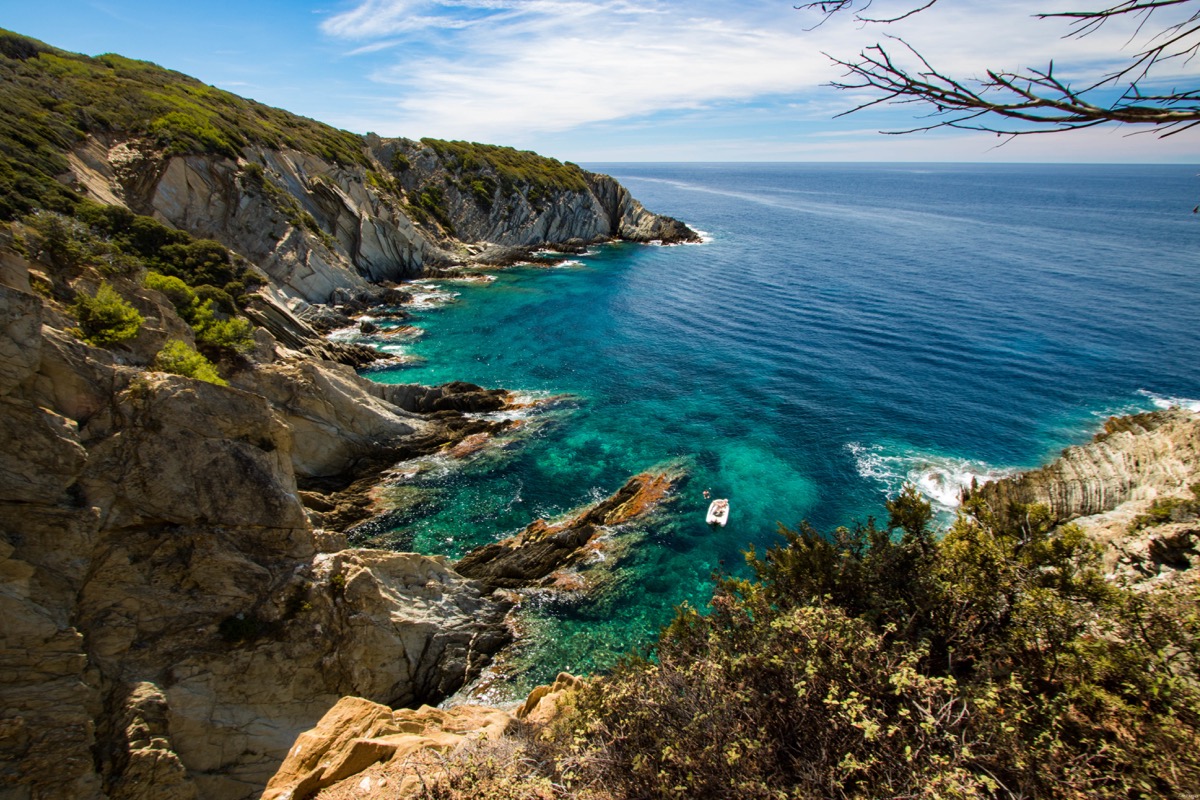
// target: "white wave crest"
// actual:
[[1161, 401], [941, 479], [426, 294]]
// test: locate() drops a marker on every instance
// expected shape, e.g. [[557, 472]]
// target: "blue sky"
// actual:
[[603, 80]]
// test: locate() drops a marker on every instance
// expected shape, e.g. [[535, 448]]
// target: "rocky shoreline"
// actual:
[[181, 597], [179, 594], [1134, 490]]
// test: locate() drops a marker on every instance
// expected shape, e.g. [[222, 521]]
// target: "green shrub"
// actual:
[[106, 318], [234, 336], [217, 336], [222, 300], [178, 358], [994, 661], [179, 293]]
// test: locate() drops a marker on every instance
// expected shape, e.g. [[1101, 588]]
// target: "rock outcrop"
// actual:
[[172, 620], [1133, 458], [533, 555], [360, 748], [1133, 489]]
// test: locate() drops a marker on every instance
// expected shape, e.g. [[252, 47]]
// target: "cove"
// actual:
[[843, 329]]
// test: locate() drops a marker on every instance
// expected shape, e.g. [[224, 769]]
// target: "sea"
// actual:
[[843, 329]]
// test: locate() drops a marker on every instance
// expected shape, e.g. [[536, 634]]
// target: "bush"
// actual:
[[226, 337], [992, 662], [221, 337], [178, 292], [178, 358], [106, 318]]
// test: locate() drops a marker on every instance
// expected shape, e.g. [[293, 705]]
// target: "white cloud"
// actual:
[[500, 70]]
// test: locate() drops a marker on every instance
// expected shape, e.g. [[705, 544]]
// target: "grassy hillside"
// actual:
[[53, 99]]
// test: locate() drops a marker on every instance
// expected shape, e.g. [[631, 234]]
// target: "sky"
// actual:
[[598, 81]]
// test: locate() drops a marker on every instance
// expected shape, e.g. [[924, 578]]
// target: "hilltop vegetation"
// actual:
[[479, 170], [53, 99], [512, 167]]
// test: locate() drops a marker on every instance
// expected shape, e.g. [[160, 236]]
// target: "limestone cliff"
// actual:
[[320, 210], [317, 227], [171, 620], [1133, 458], [1134, 489]]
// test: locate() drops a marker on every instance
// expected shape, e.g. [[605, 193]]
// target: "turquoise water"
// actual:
[[843, 329]]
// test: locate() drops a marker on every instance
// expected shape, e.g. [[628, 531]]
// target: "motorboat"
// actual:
[[718, 512]]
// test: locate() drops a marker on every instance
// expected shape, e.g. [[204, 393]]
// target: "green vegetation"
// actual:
[[432, 201], [149, 244], [992, 661], [482, 168], [106, 318], [1169, 509], [54, 99], [217, 336], [204, 281], [178, 358]]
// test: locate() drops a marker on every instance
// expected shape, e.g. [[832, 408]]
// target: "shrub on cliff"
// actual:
[[178, 358], [992, 662], [219, 336], [105, 318]]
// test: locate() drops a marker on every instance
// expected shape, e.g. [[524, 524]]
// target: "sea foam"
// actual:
[[941, 479], [1161, 401]]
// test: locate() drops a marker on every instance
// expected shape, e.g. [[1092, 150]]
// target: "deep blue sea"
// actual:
[[843, 329]]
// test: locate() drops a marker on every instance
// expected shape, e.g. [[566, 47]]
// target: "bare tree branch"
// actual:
[[1038, 98]]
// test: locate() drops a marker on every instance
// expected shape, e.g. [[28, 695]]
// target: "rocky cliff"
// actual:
[[172, 619], [173, 616], [1134, 489], [317, 227], [1134, 458], [321, 211]]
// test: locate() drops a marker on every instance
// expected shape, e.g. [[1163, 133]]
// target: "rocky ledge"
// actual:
[[1137, 457], [361, 748], [1134, 489], [173, 619]]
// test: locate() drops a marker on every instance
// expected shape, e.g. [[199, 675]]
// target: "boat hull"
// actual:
[[718, 512]]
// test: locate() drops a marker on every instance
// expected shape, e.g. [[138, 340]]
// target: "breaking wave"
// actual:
[[941, 479], [1161, 401]]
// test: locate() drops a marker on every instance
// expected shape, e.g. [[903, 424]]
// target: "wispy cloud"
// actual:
[[502, 69]]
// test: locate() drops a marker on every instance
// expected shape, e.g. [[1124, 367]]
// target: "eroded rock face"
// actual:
[[172, 621], [1134, 458], [319, 229], [334, 416]]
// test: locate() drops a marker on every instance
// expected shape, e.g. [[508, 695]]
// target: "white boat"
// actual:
[[718, 512]]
